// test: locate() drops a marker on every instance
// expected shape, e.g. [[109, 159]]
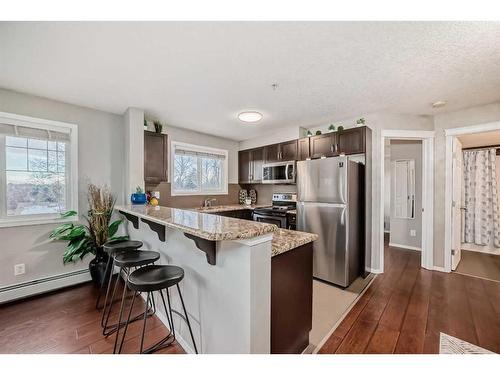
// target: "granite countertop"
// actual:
[[228, 207], [285, 240], [203, 225]]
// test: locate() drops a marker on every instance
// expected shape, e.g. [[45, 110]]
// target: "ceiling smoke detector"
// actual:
[[438, 104], [250, 116]]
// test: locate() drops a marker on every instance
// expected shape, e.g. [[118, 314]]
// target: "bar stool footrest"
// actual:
[[163, 343]]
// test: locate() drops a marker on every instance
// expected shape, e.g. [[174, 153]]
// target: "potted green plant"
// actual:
[[318, 132], [309, 134], [340, 128], [158, 126], [360, 121], [89, 238], [331, 128]]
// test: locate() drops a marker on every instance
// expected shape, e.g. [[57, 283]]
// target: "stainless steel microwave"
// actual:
[[279, 173]]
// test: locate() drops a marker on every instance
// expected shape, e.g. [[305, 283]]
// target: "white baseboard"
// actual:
[[44, 285], [374, 270], [440, 269], [187, 348], [180, 340], [392, 244]]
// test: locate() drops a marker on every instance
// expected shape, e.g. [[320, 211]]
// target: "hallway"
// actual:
[[406, 308]]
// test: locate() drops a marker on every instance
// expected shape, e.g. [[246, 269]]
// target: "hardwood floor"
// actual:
[[406, 308], [67, 322], [403, 311]]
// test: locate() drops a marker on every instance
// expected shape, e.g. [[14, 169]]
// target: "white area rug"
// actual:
[[451, 345]]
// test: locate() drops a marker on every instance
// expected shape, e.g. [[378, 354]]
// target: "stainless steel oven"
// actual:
[[278, 173], [278, 213], [280, 221]]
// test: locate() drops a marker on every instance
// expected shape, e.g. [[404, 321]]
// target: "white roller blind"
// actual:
[[179, 150], [27, 132]]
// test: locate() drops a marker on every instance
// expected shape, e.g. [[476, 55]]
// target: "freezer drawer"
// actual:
[[330, 222]]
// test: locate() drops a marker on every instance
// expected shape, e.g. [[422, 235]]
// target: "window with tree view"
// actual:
[[34, 173], [35, 176], [197, 170]]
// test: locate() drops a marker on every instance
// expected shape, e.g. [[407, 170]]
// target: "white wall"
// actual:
[[268, 138], [200, 139], [133, 128], [400, 228], [100, 160]]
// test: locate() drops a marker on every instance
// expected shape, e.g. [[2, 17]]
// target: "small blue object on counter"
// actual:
[[138, 198]]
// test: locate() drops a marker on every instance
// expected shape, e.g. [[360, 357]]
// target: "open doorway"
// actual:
[[475, 213], [412, 208], [403, 194]]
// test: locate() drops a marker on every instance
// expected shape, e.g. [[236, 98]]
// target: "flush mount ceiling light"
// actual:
[[438, 104], [250, 116]]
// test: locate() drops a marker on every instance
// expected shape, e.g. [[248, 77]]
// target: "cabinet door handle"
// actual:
[[331, 148]]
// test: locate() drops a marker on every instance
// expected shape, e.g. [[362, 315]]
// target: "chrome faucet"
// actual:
[[208, 202]]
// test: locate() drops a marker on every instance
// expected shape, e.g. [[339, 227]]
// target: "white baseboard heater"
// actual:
[[43, 285]]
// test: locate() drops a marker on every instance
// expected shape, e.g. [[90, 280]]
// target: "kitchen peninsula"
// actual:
[[247, 285]]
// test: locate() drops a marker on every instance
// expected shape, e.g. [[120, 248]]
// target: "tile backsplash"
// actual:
[[265, 191]]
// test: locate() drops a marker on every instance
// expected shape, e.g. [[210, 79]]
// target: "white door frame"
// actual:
[[427, 138], [448, 201]]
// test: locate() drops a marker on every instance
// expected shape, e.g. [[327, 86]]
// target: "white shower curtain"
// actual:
[[481, 221]]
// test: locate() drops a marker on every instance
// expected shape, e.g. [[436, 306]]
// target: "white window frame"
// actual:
[[196, 148], [72, 202]]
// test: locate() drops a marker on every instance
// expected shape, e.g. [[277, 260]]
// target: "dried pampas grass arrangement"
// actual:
[[101, 203]]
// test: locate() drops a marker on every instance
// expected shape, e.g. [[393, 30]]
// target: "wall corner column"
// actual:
[[134, 150]]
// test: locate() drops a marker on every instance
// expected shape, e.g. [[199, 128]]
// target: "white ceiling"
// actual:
[[200, 75], [480, 139]]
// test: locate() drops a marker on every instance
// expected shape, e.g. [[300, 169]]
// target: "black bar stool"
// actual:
[[113, 249], [155, 278], [126, 261], [110, 248]]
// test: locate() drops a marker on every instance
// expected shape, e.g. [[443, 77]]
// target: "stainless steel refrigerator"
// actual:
[[330, 203]]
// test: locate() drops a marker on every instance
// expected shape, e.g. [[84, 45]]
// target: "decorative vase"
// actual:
[[138, 198], [97, 268], [242, 196], [253, 196]]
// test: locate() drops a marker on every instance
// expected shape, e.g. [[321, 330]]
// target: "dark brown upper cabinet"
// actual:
[[349, 141], [352, 141], [323, 145], [250, 166], [256, 168], [244, 165], [284, 151], [272, 153], [288, 150], [155, 157], [303, 149]]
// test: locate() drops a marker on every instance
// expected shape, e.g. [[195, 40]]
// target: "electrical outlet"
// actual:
[[19, 269], [413, 233]]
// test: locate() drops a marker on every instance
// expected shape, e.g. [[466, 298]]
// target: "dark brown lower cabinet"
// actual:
[[291, 300]]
